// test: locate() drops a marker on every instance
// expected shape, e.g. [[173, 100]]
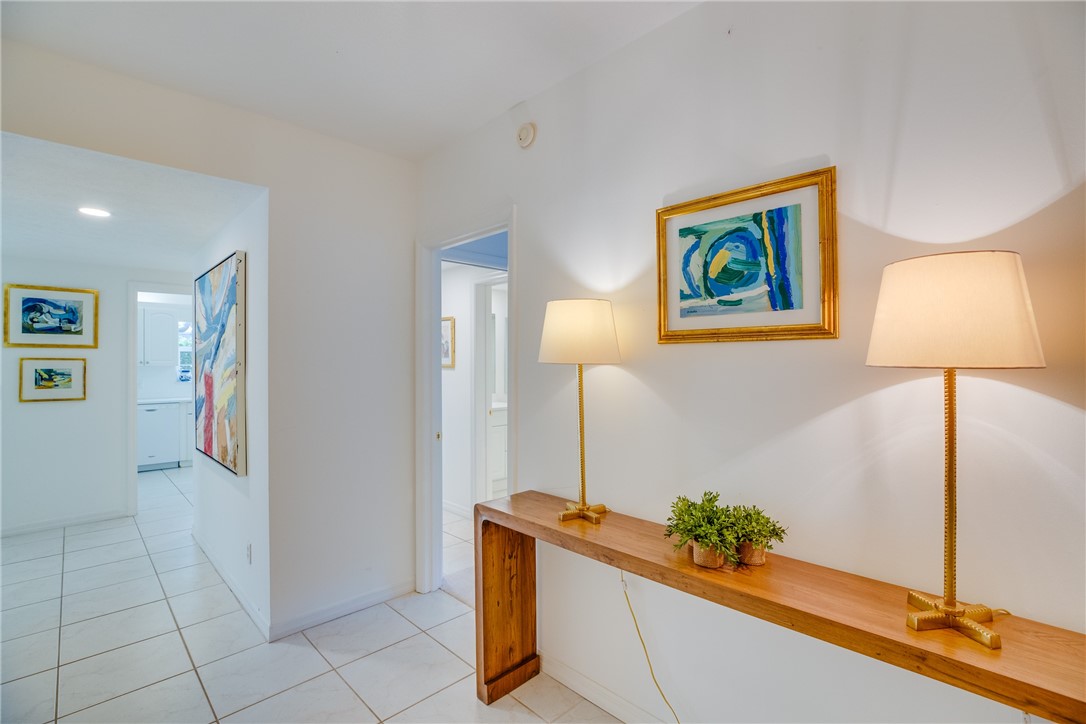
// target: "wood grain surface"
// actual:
[[1041, 669]]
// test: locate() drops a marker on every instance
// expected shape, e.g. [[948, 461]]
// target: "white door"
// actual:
[[496, 437]]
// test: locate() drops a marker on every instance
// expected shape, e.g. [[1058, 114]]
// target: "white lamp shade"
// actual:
[[965, 310], [579, 331]]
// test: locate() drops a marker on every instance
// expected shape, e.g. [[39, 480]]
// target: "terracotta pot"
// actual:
[[751, 556], [707, 557]]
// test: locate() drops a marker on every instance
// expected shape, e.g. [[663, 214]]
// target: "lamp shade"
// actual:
[[966, 310], [579, 331]]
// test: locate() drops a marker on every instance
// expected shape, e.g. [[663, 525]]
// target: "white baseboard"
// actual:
[[300, 623], [458, 509], [258, 618], [595, 692], [64, 522]]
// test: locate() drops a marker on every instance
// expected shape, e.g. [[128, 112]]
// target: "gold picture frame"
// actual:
[[448, 342], [742, 265], [52, 379], [44, 316]]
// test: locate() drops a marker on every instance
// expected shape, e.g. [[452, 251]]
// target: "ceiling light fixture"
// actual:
[[91, 211]]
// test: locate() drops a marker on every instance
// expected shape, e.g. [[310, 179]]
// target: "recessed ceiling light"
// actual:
[[90, 211]]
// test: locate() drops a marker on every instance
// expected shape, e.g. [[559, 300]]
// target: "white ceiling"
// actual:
[[160, 215], [402, 77]]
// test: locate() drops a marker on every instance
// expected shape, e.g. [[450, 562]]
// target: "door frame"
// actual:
[[480, 404], [134, 288], [428, 498]]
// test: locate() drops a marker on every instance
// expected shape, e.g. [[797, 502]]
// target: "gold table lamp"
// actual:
[[961, 310], [580, 332]]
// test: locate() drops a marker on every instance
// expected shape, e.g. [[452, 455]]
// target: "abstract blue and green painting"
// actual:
[[749, 263], [52, 316], [52, 378]]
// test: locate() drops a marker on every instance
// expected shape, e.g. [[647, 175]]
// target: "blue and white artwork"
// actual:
[[46, 316], [743, 264], [52, 316], [219, 346]]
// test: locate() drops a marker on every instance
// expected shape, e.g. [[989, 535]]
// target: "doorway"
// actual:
[[161, 365], [474, 397]]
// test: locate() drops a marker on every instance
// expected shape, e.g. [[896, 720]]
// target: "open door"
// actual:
[[493, 305]]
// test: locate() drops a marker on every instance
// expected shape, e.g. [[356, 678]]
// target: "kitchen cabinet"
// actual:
[[497, 452], [187, 437], [157, 435], [156, 335]]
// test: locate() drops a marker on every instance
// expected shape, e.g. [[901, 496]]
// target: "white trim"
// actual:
[[479, 438], [595, 692], [428, 498], [134, 288], [324, 615], [258, 617], [427, 420], [458, 510], [10, 530]]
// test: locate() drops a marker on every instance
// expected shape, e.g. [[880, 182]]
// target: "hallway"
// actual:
[[139, 627]]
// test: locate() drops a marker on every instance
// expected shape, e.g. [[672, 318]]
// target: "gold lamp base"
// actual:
[[591, 513], [934, 614]]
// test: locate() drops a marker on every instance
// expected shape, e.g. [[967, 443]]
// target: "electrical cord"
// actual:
[[645, 648]]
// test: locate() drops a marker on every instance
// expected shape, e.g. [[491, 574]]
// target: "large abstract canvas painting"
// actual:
[[757, 263], [50, 316], [219, 374]]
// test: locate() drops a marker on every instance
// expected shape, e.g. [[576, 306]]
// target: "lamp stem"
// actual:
[[950, 521], [947, 612], [580, 427]]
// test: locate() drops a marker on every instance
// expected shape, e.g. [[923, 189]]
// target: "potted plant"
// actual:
[[705, 524], [755, 532]]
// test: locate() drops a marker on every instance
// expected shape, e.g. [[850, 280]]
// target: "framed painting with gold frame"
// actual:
[[448, 342], [52, 379], [41, 316], [757, 263]]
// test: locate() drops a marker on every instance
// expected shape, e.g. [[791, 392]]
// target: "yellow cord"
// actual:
[[637, 628], [1003, 611]]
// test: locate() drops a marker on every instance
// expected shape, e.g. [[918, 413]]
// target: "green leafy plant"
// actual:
[[705, 523], [751, 525]]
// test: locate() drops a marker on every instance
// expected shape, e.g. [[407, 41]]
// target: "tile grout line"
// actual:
[[177, 626], [60, 627], [340, 676], [431, 696]]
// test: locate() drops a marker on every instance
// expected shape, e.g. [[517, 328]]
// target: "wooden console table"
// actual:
[[1041, 669]]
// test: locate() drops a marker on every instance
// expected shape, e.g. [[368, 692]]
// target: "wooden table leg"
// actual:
[[505, 642]]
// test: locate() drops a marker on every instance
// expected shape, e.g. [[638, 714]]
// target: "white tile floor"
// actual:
[[126, 621]]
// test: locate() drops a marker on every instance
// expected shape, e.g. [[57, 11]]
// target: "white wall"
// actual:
[[457, 387], [231, 512], [66, 462], [952, 127], [340, 460]]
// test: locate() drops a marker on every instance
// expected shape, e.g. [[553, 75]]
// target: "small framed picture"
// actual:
[[50, 316], [757, 263], [448, 342], [52, 379]]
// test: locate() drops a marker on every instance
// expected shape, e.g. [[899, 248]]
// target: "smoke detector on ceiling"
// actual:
[[525, 134]]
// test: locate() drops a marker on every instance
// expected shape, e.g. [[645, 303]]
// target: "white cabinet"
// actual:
[[157, 431], [497, 452], [187, 437], [156, 337]]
